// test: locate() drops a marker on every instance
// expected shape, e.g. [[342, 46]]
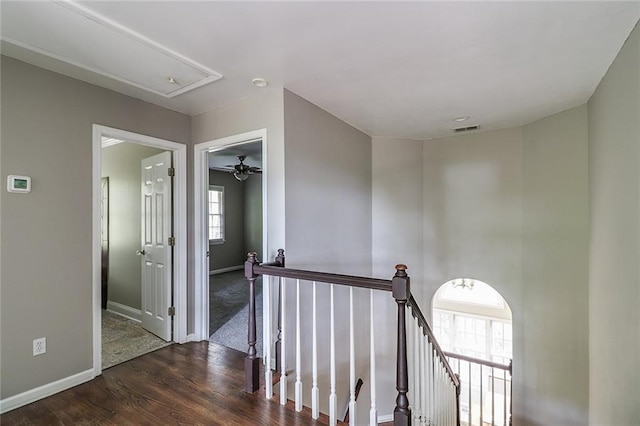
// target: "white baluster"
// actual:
[[298, 385], [373, 412], [315, 392], [432, 384], [417, 381], [266, 341], [333, 398], [436, 395], [352, 363], [421, 369], [426, 377], [412, 362], [283, 344]]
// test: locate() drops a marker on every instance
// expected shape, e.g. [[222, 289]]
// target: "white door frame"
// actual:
[[179, 232], [200, 240]]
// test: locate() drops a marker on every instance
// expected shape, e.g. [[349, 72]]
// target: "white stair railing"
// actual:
[[435, 387], [426, 387]]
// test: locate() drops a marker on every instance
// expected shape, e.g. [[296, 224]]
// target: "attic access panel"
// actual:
[[78, 36]]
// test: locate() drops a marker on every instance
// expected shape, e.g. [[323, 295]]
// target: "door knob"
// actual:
[[140, 252]]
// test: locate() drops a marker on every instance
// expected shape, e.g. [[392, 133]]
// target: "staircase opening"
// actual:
[[473, 324]]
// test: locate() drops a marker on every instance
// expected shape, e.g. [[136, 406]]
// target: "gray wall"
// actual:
[[231, 252], [328, 190], [328, 211], [614, 275], [263, 111], [121, 163], [397, 216], [253, 215], [46, 235]]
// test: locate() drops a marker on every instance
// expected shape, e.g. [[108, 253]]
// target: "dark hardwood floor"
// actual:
[[191, 384]]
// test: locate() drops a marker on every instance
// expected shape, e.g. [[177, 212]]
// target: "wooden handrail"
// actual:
[[417, 313], [323, 277], [479, 361]]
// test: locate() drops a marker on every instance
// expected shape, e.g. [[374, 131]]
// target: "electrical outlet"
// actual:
[[39, 346]]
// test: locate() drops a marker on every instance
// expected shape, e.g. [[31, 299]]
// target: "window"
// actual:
[[471, 318], [475, 336], [216, 214]]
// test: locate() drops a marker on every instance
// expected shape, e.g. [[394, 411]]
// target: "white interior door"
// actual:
[[156, 251]]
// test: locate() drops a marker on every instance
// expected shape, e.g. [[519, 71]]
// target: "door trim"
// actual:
[[179, 231], [200, 240]]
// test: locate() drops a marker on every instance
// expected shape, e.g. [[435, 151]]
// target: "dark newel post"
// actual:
[[401, 292], [251, 361], [280, 258], [458, 389], [280, 261]]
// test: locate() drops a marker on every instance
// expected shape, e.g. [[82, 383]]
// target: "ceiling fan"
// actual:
[[242, 171]]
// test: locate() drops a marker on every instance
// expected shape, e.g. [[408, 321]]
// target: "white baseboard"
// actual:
[[385, 418], [124, 311], [191, 338], [229, 269], [44, 391]]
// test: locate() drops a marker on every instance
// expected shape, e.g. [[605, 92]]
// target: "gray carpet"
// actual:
[[124, 339], [229, 310]]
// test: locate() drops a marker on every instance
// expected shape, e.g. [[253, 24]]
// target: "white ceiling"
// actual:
[[396, 69]]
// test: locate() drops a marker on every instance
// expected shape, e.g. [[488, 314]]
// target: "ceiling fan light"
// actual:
[[241, 176]]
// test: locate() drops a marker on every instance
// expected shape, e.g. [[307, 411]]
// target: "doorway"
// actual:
[[224, 155], [135, 255], [122, 305], [234, 222]]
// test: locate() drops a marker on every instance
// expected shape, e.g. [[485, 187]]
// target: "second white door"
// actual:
[[156, 250]]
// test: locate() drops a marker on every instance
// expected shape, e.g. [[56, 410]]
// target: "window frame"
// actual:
[[220, 190]]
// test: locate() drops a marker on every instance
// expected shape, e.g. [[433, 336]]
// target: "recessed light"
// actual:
[[172, 80], [460, 119], [260, 82]]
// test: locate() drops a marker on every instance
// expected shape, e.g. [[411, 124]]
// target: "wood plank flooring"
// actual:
[[192, 384]]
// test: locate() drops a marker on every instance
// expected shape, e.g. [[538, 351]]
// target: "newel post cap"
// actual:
[[400, 283], [248, 265]]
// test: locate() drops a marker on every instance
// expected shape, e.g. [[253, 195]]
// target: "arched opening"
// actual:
[[472, 323]]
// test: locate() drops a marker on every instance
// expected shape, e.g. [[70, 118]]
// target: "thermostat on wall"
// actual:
[[20, 184]]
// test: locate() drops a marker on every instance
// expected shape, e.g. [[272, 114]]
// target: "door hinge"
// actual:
[[172, 241], [172, 311], [172, 171]]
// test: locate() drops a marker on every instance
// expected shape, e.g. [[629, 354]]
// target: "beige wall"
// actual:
[[121, 164], [614, 274], [554, 366], [510, 208], [472, 222], [46, 235]]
